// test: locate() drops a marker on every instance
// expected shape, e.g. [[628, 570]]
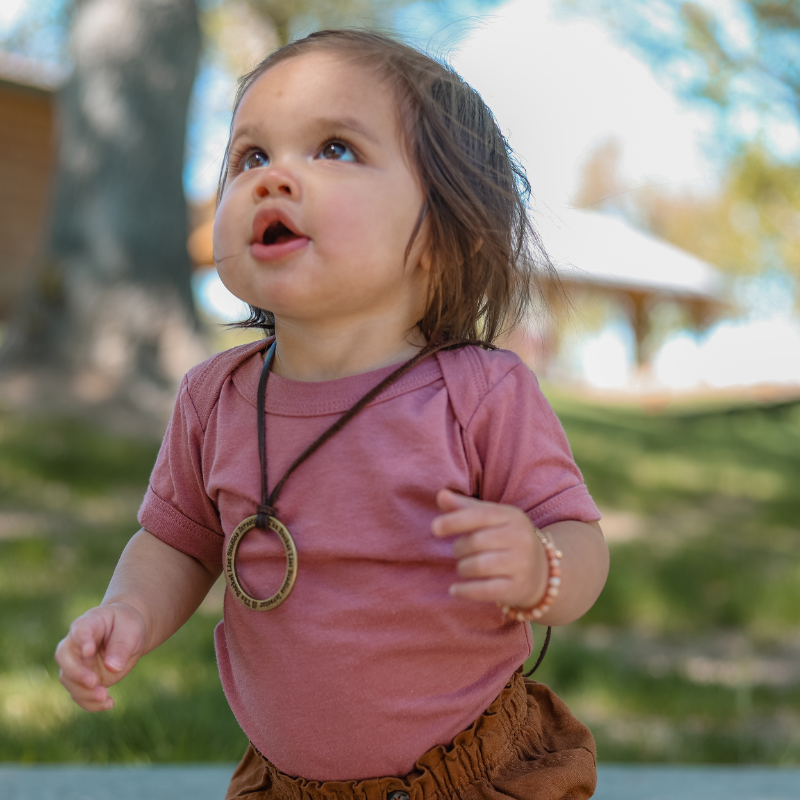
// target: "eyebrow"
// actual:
[[346, 123], [320, 123], [243, 132]]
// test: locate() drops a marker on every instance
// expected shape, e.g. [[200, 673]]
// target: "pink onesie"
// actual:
[[369, 662]]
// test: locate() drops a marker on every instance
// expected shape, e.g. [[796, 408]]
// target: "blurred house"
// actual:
[[27, 162], [599, 254], [28, 153]]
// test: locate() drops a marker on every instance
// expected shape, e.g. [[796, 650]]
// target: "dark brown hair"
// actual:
[[486, 259]]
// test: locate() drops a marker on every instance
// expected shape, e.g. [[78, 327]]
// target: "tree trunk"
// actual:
[[110, 320]]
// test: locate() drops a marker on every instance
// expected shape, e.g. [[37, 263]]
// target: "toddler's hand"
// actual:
[[101, 648], [498, 553]]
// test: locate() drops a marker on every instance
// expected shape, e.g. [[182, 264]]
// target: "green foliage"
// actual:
[[728, 53], [310, 14], [742, 60]]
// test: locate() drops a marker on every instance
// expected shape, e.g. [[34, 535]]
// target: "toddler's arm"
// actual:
[[154, 590], [503, 562]]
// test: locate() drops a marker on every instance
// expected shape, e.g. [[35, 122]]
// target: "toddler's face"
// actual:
[[320, 200]]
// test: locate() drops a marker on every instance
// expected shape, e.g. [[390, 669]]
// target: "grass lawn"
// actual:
[[692, 653]]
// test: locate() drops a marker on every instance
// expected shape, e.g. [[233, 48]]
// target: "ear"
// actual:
[[420, 241], [425, 260], [476, 245]]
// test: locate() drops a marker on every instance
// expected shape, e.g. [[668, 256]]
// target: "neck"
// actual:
[[310, 354]]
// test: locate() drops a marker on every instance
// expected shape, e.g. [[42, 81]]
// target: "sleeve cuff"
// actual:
[[573, 503], [177, 530]]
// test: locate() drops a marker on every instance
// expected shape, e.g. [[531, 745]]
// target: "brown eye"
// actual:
[[254, 160], [337, 151]]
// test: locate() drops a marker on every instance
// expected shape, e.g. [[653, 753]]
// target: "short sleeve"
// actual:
[[523, 453], [176, 507]]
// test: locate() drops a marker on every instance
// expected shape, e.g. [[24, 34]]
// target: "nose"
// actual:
[[276, 181]]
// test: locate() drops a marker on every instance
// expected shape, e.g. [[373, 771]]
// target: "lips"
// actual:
[[275, 235]]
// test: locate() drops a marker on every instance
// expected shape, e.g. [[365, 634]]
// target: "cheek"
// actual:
[[373, 222], [218, 241], [223, 233], [225, 248]]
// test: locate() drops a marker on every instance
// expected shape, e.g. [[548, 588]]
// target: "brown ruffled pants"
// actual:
[[526, 746]]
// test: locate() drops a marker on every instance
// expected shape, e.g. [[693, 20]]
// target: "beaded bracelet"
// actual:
[[554, 557]]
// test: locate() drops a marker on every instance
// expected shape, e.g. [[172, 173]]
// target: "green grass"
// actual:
[[718, 499], [72, 495], [691, 654]]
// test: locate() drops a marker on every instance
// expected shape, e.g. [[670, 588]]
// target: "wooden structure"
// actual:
[[27, 163], [601, 254]]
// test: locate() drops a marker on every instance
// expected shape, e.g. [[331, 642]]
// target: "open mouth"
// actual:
[[277, 233], [273, 239]]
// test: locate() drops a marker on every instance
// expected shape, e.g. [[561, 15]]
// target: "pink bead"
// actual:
[[554, 557]]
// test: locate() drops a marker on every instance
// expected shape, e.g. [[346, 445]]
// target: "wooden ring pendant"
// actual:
[[277, 527]]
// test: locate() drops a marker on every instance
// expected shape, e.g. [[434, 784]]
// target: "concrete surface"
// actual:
[[201, 782]]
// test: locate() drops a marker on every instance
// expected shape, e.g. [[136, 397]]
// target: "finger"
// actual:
[[80, 675], [479, 541], [466, 520], [78, 690], [88, 632], [97, 649], [97, 699], [94, 704], [119, 650], [448, 500], [77, 669], [491, 564], [492, 590], [124, 642]]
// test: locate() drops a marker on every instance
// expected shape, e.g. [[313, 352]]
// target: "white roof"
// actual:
[[25, 71], [594, 248]]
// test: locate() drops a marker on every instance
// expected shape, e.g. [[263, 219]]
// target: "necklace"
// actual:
[[266, 517]]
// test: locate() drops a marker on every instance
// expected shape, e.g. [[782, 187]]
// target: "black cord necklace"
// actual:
[[266, 517]]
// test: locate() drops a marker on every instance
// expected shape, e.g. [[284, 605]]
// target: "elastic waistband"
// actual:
[[474, 755]]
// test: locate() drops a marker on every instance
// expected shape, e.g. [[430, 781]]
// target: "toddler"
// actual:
[[390, 498]]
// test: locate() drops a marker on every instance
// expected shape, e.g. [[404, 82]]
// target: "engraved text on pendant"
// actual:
[[277, 527]]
